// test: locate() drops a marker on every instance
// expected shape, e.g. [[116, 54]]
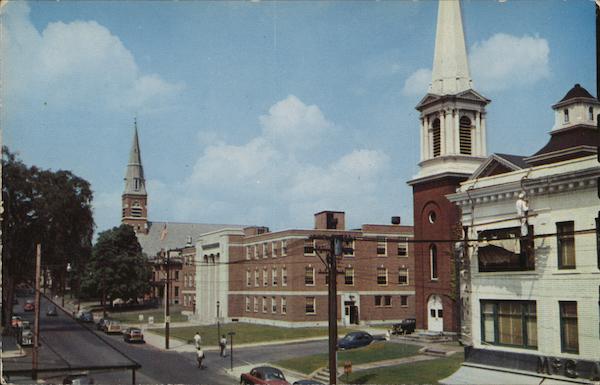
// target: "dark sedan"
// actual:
[[264, 375], [355, 340]]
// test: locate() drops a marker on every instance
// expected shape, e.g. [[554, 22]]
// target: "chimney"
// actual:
[[330, 220]]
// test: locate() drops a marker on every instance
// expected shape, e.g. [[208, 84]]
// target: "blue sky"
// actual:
[[267, 112]]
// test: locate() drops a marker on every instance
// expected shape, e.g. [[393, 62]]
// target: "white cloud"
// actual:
[[78, 63], [505, 61], [417, 83]]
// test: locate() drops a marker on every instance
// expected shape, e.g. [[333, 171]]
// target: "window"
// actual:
[[566, 115], [505, 250], [464, 133], [248, 278], [283, 248], [136, 184], [433, 262], [565, 234], [265, 248], [591, 114], [248, 252], [284, 276], [264, 304], [256, 278], [273, 249], [265, 277], [569, 335], [177, 275], [309, 247], [381, 246], [273, 305], [383, 301], [403, 247], [382, 276], [511, 323], [274, 276], [348, 248], [255, 251], [176, 291], [436, 133], [404, 301], [309, 276], [185, 300], [283, 305], [349, 276], [247, 303], [403, 276], [136, 210], [255, 305], [310, 305]]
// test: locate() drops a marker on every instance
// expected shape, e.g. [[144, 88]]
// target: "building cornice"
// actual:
[[429, 178]]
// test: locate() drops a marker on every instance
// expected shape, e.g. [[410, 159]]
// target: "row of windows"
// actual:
[[310, 279], [566, 114], [188, 280], [266, 250], [282, 304], [514, 323], [386, 301], [189, 300]]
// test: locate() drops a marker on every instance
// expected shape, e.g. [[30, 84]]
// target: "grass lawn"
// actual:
[[423, 372], [131, 316], [245, 333], [377, 351]]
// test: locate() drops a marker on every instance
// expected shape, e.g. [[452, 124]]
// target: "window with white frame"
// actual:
[[266, 250], [256, 278], [566, 115], [382, 276], [255, 251], [248, 252], [265, 277], [403, 276], [274, 249], [403, 247], [273, 305], [283, 305], [309, 247], [310, 307], [284, 276], [403, 301], [283, 248], [248, 278], [349, 276], [566, 244], [309, 276], [348, 248], [255, 307], [247, 303], [264, 304], [274, 276], [383, 301], [381, 246]]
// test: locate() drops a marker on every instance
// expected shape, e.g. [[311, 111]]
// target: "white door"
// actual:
[[435, 318]]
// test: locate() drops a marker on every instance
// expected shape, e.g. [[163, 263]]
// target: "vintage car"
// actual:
[[355, 340], [263, 375], [132, 334], [112, 327]]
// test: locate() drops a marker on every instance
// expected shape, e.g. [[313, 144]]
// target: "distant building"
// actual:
[[453, 146], [156, 238], [530, 283], [277, 278]]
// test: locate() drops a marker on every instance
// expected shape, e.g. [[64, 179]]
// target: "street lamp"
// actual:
[[218, 323]]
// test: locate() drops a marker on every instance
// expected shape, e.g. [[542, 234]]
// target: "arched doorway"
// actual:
[[435, 311]]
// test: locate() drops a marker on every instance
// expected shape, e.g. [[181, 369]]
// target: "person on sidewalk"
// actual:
[[197, 340], [223, 344], [200, 356]]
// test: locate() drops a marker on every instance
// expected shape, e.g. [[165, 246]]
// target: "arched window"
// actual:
[[566, 115], [433, 262], [591, 113], [436, 138], [465, 136]]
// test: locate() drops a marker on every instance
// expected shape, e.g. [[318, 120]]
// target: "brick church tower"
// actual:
[[135, 198], [452, 137]]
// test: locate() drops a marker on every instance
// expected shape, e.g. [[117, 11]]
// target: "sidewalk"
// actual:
[[10, 348]]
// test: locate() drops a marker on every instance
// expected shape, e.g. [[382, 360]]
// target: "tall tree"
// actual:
[[117, 269], [47, 207]]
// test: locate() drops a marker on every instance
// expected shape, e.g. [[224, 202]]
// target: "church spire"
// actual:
[[134, 176], [450, 73]]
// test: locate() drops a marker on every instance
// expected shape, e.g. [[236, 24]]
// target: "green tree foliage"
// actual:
[[117, 269], [53, 208]]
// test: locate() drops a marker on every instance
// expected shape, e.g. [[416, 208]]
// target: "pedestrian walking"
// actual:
[[200, 357], [223, 344], [197, 340]]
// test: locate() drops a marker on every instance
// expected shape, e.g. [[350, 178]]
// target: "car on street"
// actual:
[[263, 375], [29, 306], [355, 340], [51, 311], [101, 324], [86, 316], [112, 327], [132, 334]]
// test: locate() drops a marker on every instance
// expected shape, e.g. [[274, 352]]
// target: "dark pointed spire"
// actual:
[[134, 175]]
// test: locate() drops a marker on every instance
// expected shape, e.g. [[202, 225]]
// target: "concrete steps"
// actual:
[[321, 375]]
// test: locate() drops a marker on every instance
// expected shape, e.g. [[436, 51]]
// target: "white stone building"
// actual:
[[530, 287]]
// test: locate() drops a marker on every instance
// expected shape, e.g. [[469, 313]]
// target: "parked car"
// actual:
[[29, 305], [26, 334], [355, 340], [100, 325], [132, 334], [112, 327], [406, 326], [263, 375], [78, 379], [51, 311], [86, 316]]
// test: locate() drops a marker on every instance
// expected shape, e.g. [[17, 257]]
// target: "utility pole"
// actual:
[[168, 288], [218, 321], [335, 249], [36, 322]]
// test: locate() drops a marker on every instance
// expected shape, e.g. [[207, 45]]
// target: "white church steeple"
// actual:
[[453, 117]]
